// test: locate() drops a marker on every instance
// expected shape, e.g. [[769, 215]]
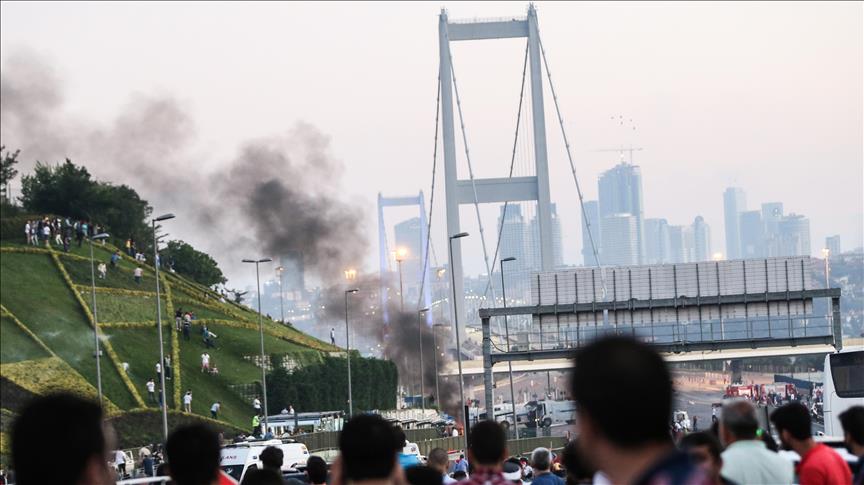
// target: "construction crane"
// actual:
[[621, 151]]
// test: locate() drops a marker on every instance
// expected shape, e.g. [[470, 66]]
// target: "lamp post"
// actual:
[[400, 256], [435, 362], [826, 253], [279, 271], [261, 332], [101, 237], [458, 343], [420, 324], [507, 338], [348, 353], [163, 217]]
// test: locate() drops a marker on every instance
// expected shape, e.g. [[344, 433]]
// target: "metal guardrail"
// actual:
[[514, 447], [328, 440]]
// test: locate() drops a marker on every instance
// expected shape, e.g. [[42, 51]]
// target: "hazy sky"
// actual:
[[765, 96]]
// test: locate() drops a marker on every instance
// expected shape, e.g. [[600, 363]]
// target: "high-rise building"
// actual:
[[772, 213], [734, 203], [534, 241], [620, 190], [677, 246], [832, 243], [514, 237], [408, 236], [752, 235], [592, 212], [701, 240], [620, 240], [657, 249], [794, 235]]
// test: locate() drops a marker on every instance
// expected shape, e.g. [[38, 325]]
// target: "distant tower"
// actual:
[[734, 203], [832, 243], [620, 241], [701, 240], [657, 249], [752, 235], [620, 190]]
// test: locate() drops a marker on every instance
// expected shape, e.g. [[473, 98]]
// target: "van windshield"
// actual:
[[236, 471], [846, 374]]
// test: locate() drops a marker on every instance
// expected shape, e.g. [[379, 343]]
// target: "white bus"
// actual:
[[843, 387]]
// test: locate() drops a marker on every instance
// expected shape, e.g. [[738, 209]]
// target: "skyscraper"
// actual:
[[408, 238], [833, 245], [657, 249], [701, 240], [514, 237], [734, 203], [794, 235], [677, 249], [772, 212], [592, 211], [534, 241], [620, 190], [620, 240], [752, 235]]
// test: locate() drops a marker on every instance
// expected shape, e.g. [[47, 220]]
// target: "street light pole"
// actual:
[[281, 270], [161, 218], [101, 236], [348, 353], [261, 333], [507, 338], [458, 343], [420, 324]]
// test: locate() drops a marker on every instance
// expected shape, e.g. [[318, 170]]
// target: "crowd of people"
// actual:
[[619, 442], [58, 231]]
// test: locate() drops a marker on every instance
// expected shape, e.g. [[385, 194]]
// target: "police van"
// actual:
[[238, 458]]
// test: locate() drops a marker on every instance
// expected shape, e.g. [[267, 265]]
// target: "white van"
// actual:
[[237, 458]]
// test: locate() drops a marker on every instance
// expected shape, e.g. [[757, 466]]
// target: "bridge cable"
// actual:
[[471, 174], [512, 164], [573, 170], [431, 200]]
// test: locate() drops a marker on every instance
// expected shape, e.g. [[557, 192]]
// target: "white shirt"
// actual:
[[205, 358], [215, 407], [158, 368], [256, 404], [187, 399], [151, 386], [138, 272], [750, 462], [119, 457]]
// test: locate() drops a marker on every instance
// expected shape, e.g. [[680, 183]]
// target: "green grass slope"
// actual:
[[47, 311]]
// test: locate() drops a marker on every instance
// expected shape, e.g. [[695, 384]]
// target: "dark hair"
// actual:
[[607, 374], [576, 466], [459, 475], [368, 445], [193, 455], [487, 442], [702, 438], [75, 428], [263, 476], [316, 468], [423, 475], [271, 457], [739, 417], [400, 434], [794, 418], [438, 457], [852, 421]]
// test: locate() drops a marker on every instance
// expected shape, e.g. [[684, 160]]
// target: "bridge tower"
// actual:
[[493, 190], [384, 251]]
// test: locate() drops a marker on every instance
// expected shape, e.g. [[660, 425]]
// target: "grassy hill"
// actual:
[[46, 334]]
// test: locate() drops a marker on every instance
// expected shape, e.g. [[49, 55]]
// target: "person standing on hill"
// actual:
[[103, 270], [138, 273], [214, 410], [151, 390], [187, 401]]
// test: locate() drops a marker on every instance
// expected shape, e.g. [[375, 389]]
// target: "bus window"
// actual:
[[846, 372]]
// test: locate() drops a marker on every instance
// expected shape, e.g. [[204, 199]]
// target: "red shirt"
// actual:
[[483, 476], [823, 466]]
